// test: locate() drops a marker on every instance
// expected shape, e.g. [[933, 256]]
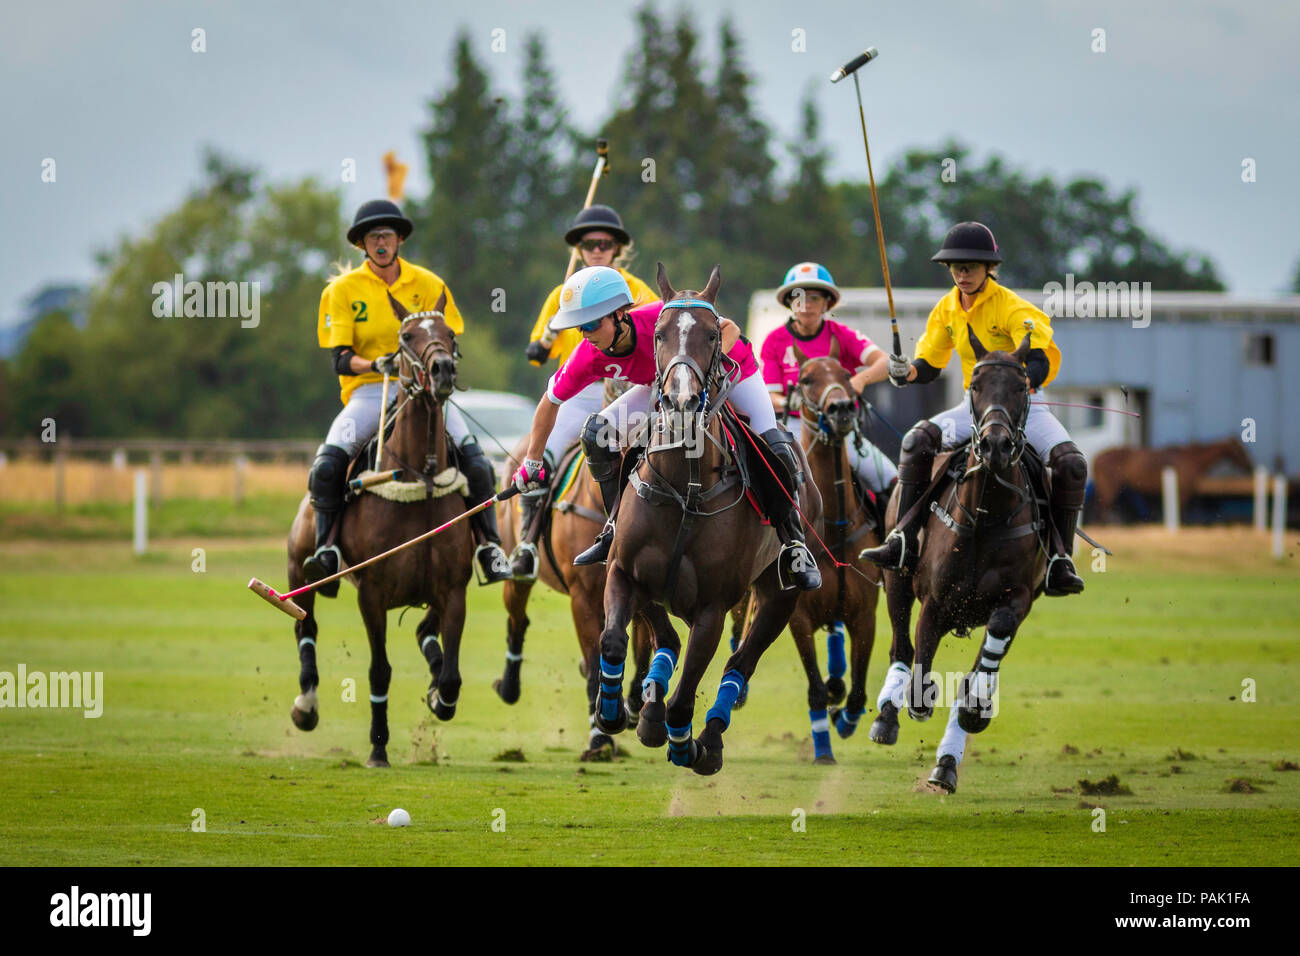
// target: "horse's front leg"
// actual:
[[801, 629], [701, 644], [444, 693], [515, 595], [622, 601], [862, 633], [652, 722], [375, 617], [899, 596], [771, 611], [979, 689], [921, 692]]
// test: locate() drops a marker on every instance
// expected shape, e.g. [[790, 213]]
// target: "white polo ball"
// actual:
[[399, 818]]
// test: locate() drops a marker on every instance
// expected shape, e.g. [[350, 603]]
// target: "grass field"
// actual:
[[1141, 677]]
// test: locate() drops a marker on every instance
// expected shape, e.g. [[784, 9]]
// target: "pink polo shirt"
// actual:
[[781, 365]]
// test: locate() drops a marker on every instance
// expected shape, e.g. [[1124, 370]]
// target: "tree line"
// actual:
[[695, 177]]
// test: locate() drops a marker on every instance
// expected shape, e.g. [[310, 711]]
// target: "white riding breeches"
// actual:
[[1042, 431], [874, 468], [357, 423]]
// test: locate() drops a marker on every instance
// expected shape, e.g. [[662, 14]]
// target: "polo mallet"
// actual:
[[602, 168], [851, 68], [284, 601]]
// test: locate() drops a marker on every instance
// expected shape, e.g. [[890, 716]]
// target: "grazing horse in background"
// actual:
[[981, 563], [829, 409], [434, 573], [688, 537], [575, 516], [1139, 470]]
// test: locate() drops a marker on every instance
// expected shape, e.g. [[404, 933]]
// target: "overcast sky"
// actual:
[[1184, 92]]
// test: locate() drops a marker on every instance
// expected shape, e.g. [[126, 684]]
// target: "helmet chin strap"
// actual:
[[622, 322]]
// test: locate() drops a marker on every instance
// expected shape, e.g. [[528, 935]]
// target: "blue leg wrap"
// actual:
[[821, 733], [846, 722], [728, 690], [661, 672], [611, 689], [679, 745], [836, 665]]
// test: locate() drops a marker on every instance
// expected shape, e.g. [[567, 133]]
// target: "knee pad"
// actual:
[[328, 473], [594, 437], [919, 446], [1069, 472], [473, 459]]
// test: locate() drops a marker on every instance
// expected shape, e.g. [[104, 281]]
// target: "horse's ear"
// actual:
[[710, 293], [798, 354], [398, 309], [1022, 352], [976, 345], [442, 301], [665, 287]]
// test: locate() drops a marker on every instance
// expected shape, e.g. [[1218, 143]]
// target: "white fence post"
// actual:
[[141, 511], [1279, 514], [1261, 498], [1169, 483]]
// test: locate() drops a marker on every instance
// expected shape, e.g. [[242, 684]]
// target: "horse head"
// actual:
[[428, 350], [688, 343], [827, 403], [999, 403]]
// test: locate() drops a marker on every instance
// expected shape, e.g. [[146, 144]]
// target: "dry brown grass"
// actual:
[[1224, 547], [93, 481]]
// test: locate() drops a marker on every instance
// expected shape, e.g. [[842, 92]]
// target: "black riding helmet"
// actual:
[[375, 213], [597, 217], [968, 242]]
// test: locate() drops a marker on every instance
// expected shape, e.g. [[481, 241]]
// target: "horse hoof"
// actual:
[[884, 729], [744, 696], [686, 755], [824, 761], [582, 669], [706, 762], [600, 749], [611, 727], [509, 696], [651, 726], [834, 689], [378, 759], [305, 719], [944, 774], [920, 714], [441, 709], [973, 720]]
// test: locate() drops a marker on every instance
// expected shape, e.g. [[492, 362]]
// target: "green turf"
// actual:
[[1136, 678]]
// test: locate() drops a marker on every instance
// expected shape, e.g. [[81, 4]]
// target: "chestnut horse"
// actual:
[[829, 410], [1140, 469], [981, 564], [688, 538], [434, 573], [572, 523]]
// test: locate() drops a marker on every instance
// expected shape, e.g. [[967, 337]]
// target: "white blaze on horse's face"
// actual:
[[427, 325], [681, 383]]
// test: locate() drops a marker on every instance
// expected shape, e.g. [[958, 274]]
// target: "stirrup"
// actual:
[[878, 556], [323, 563], [803, 572], [525, 551], [490, 564], [598, 553], [1072, 587]]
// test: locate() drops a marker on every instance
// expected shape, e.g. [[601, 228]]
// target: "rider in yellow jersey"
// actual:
[[598, 233], [357, 324], [998, 318]]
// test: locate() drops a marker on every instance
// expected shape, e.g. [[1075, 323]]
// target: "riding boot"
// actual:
[[796, 566], [899, 550], [604, 464], [524, 559], [489, 559], [1069, 480], [326, 481]]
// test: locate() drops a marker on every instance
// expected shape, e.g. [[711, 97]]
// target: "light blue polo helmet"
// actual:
[[589, 294], [808, 275]]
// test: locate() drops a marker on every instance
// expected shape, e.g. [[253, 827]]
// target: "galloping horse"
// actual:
[[1139, 470], [981, 563], [434, 573], [575, 518], [688, 538], [829, 410]]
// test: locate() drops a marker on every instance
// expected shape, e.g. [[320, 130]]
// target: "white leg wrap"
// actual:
[[953, 743], [306, 702], [896, 679]]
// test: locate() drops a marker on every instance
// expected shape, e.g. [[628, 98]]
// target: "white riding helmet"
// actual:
[[589, 294]]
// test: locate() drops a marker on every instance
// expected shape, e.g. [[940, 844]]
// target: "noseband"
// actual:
[[823, 431], [1015, 429]]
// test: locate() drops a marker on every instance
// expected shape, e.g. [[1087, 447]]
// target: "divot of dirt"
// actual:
[[511, 756], [1069, 750], [1109, 786], [1284, 765]]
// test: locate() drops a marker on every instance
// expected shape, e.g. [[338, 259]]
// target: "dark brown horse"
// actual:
[[435, 572], [1140, 469], [829, 410], [981, 565], [688, 538], [576, 517]]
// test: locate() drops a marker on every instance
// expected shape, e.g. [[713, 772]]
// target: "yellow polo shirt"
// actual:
[[567, 341], [355, 311], [997, 317]]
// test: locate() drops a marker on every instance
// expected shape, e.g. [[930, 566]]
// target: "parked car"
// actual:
[[499, 419]]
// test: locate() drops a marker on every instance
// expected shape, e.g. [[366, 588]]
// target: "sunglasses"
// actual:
[[961, 268], [597, 245], [381, 235], [591, 326]]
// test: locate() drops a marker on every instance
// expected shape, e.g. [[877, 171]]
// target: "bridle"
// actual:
[[413, 374], [822, 431], [1015, 428], [715, 359]]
